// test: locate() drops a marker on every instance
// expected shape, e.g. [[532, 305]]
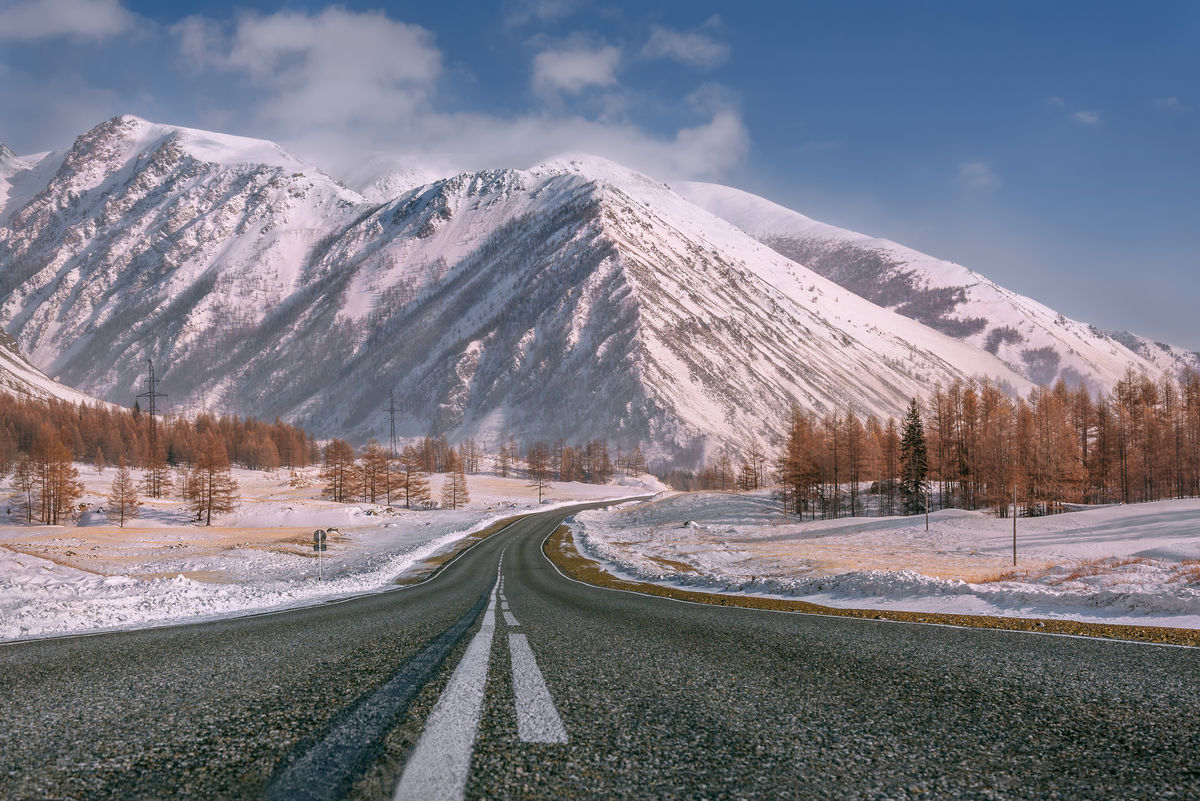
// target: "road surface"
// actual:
[[500, 678]]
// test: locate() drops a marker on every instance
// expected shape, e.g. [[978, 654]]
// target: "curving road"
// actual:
[[500, 678]]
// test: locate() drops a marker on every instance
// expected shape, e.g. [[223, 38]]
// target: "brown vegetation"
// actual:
[[1056, 447]]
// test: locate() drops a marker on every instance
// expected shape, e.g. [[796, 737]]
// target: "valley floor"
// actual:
[[1137, 564], [92, 575]]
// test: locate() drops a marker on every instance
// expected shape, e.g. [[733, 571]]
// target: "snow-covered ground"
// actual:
[[1137, 564], [160, 568]]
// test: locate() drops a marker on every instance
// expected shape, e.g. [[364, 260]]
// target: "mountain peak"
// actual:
[[128, 133], [594, 168]]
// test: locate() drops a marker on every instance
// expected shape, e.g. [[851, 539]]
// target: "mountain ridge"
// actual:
[[575, 299], [1037, 341]]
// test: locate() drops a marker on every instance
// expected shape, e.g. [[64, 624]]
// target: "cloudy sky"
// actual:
[[1054, 147]]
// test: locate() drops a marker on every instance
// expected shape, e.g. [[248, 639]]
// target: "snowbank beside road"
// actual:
[[1135, 564]]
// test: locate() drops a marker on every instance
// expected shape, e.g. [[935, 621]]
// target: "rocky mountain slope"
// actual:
[[576, 299], [1031, 338]]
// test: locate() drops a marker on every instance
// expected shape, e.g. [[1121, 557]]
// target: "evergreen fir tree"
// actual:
[[914, 462]]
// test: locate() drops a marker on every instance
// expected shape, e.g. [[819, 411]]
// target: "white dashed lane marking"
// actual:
[[537, 718], [440, 764]]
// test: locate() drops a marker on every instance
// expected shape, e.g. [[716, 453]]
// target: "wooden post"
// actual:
[[1014, 525]]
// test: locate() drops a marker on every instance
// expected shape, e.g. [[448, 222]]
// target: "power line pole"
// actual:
[[392, 421], [391, 443], [152, 395]]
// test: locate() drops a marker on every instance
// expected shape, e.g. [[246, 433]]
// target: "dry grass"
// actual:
[[671, 564], [1186, 572], [1002, 575], [1097, 567]]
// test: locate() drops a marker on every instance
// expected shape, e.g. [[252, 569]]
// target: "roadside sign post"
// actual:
[[928, 503], [320, 547]]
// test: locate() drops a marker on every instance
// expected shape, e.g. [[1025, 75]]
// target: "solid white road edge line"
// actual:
[[537, 718], [440, 764], [542, 549]]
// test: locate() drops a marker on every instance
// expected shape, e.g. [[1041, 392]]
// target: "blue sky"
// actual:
[[1051, 146]]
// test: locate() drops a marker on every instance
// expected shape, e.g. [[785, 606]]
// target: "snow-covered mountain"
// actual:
[[1033, 339], [576, 299]]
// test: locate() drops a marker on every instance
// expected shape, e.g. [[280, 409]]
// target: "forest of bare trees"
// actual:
[[108, 434], [42, 440], [373, 475], [1058, 446]]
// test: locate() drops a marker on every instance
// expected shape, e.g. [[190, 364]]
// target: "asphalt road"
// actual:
[[535, 686]]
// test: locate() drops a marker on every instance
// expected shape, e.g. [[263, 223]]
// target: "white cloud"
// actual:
[[1055, 101], [44, 19], [201, 41], [694, 49], [330, 70], [475, 141], [573, 69], [1087, 117], [978, 175], [339, 85], [337, 65], [1169, 104], [528, 11]]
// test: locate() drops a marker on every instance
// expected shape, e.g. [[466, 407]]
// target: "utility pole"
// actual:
[[392, 423], [152, 395], [391, 443]]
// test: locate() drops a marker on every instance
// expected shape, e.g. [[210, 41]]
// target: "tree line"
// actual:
[[374, 474], [48, 488], [42, 439], [103, 435], [973, 446]]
